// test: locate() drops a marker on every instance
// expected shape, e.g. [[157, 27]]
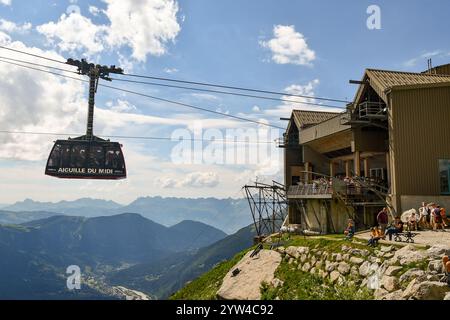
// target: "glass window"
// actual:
[[97, 157], [113, 159], [78, 158], [55, 157], [444, 176]]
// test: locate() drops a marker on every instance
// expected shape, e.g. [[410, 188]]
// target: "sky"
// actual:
[[310, 48]]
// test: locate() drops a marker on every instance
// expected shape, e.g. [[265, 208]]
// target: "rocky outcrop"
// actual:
[[244, 280], [390, 272]]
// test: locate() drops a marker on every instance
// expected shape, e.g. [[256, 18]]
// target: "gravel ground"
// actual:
[[422, 238]]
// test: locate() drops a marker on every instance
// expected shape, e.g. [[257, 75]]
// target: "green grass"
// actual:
[[299, 285], [332, 243], [206, 286]]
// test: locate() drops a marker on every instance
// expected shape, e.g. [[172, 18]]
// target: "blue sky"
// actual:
[[326, 43]]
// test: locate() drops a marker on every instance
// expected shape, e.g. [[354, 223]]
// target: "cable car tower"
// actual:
[[88, 156]]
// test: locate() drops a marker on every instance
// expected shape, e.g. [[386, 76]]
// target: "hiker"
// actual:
[[437, 219], [395, 228], [382, 220], [350, 230], [374, 237]]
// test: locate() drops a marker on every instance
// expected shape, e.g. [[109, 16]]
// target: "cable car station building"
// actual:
[[390, 148]]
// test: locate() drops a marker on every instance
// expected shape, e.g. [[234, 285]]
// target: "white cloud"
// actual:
[[5, 2], [256, 109], [285, 109], [94, 10], [74, 32], [121, 106], [11, 27], [289, 47], [145, 26], [193, 179], [205, 96], [171, 70], [425, 56], [4, 38]]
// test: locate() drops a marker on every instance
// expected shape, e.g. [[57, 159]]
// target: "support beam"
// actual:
[[332, 171], [388, 168], [357, 163], [307, 169], [366, 168], [347, 168]]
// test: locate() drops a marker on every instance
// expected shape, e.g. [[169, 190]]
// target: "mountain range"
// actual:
[[228, 215], [35, 254]]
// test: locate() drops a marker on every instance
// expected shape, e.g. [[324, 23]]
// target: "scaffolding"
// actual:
[[268, 205]]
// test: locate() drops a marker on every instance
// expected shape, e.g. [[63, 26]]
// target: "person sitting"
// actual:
[[445, 221], [412, 222], [395, 228], [374, 237], [350, 230], [446, 268]]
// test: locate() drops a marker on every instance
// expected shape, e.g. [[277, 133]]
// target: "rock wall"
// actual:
[[391, 273]]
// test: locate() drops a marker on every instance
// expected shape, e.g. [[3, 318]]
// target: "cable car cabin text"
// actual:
[[81, 159]]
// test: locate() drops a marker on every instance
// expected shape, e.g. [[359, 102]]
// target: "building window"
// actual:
[[444, 176]]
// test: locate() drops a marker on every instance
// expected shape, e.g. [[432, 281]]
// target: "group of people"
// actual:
[[430, 216], [384, 229]]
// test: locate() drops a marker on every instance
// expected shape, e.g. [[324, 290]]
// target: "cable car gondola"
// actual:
[[88, 156]]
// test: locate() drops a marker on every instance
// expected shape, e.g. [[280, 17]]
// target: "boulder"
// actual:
[[447, 296], [392, 270], [409, 254], [354, 272], [303, 257], [435, 265], [343, 268], [334, 276], [346, 257], [345, 248], [306, 267], [364, 269], [291, 260], [338, 257], [330, 266], [387, 248], [396, 295], [438, 251], [412, 274], [293, 252], [429, 290], [380, 293], [389, 283], [312, 261], [409, 291], [253, 272], [356, 260]]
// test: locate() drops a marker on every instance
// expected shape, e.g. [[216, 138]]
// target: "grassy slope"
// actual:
[[297, 284], [206, 286]]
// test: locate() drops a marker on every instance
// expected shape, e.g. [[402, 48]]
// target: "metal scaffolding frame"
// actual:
[[268, 205]]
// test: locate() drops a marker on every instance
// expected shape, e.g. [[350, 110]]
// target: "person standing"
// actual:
[[382, 220]]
